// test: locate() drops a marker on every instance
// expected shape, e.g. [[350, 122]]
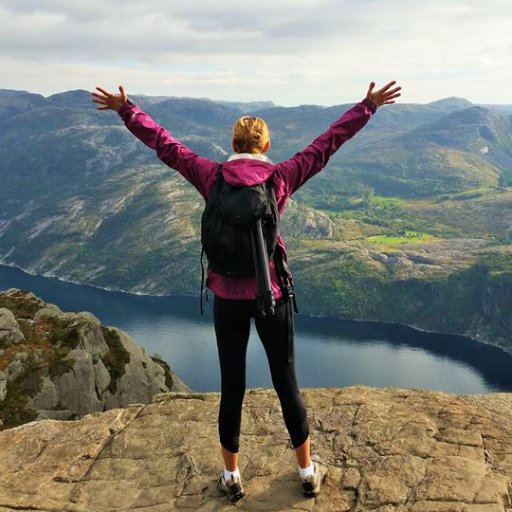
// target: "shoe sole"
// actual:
[[237, 496], [234, 497]]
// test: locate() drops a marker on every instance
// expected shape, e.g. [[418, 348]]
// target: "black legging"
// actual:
[[232, 320]]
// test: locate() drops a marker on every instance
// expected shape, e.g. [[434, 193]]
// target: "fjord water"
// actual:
[[329, 352]]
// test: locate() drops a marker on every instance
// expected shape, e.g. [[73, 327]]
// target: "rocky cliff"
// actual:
[[388, 450], [63, 365]]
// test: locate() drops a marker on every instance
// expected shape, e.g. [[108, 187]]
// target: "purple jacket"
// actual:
[[287, 176]]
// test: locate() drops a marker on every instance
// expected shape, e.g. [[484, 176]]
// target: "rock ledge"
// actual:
[[388, 450]]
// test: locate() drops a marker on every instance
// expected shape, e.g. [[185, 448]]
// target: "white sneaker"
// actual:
[[311, 484], [233, 488]]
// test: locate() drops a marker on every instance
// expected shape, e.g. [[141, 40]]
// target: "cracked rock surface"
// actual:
[[388, 450]]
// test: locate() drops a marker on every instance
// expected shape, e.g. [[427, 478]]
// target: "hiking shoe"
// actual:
[[232, 489], [311, 485]]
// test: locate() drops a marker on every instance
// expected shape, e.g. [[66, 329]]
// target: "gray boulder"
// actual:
[[9, 329], [76, 388], [48, 397]]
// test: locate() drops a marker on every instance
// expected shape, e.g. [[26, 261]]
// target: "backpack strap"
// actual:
[[290, 329], [204, 289]]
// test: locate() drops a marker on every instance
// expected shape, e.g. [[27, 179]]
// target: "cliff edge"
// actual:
[[388, 450]]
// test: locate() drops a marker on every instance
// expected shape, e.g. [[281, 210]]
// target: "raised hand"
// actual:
[[108, 100], [384, 96]]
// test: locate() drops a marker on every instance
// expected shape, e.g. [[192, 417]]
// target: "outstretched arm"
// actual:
[[312, 159], [201, 172]]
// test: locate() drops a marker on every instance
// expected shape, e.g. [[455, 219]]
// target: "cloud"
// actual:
[[302, 51], [154, 30]]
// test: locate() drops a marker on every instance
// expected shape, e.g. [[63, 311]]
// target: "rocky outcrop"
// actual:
[[64, 365], [388, 450], [300, 221]]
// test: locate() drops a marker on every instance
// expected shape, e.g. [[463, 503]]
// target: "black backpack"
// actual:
[[239, 228]]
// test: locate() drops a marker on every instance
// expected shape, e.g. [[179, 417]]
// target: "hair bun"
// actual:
[[250, 135]]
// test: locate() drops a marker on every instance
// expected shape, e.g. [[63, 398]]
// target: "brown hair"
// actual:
[[250, 135]]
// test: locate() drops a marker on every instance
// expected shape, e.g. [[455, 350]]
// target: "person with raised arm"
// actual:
[[235, 297]]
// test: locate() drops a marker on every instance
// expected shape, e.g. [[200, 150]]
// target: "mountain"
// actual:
[[448, 105], [73, 99], [202, 113], [16, 102], [473, 129], [65, 129], [504, 109], [242, 106], [457, 152], [302, 124], [247, 107], [416, 206]]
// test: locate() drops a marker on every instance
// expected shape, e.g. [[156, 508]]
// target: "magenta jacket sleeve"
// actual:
[[312, 159], [199, 171]]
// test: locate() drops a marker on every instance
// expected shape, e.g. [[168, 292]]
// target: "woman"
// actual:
[[234, 303]]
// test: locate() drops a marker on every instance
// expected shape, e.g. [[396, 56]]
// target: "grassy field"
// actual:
[[479, 213], [401, 238]]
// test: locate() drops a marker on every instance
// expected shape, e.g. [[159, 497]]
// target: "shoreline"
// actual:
[[415, 328], [358, 320]]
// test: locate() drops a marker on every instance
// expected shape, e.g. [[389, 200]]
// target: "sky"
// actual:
[[291, 52]]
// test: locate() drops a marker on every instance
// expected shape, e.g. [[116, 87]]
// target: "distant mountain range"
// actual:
[[82, 199]]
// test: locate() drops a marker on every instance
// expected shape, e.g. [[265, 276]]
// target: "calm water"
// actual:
[[329, 352]]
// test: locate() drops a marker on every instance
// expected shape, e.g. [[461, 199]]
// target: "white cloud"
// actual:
[[301, 51]]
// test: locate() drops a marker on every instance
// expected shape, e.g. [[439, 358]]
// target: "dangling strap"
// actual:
[[289, 318], [202, 285], [204, 290]]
